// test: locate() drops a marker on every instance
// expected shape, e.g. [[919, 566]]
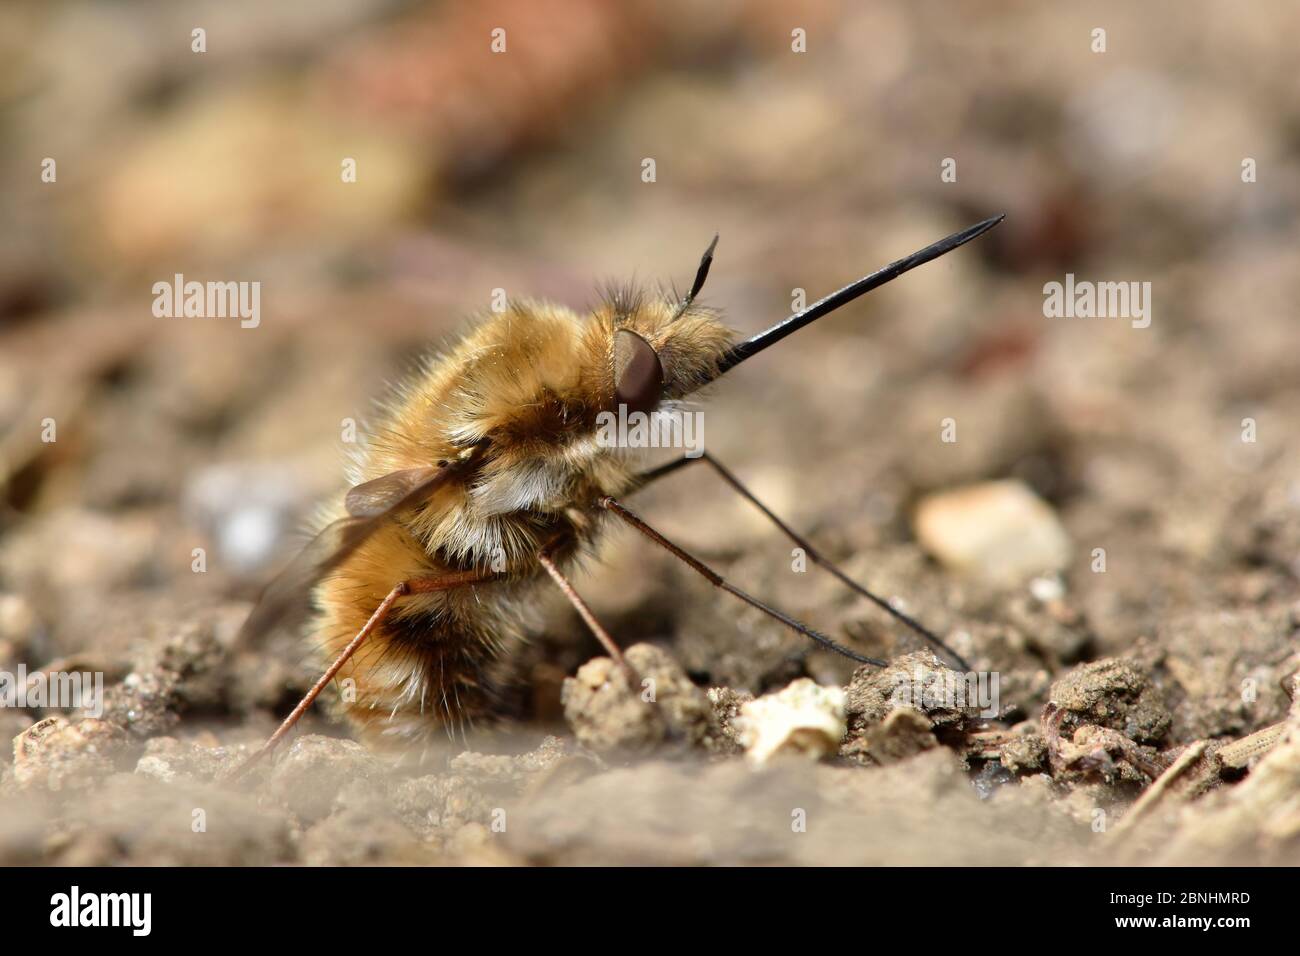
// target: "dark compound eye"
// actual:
[[638, 376]]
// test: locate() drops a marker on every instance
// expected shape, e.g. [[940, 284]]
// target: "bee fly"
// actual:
[[485, 477]]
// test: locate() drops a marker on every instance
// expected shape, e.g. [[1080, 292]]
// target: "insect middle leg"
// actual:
[[596, 628], [443, 582], [717, 580], [580, 605], [816, 556]]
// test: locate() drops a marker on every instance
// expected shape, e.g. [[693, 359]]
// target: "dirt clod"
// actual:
[[169, 760], [310, 772], [902, 734], [181, 675], [606, 714], [57, 753], [1114, 694], [1024, 753], [919, 681]]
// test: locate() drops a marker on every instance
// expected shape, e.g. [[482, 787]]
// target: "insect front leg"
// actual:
[[717, 580], [800, 541], [443, 582]]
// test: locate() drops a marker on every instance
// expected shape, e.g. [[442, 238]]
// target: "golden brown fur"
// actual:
[[516, 402]]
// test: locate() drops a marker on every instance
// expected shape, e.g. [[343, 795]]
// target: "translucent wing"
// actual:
[[374, 499], [287, 599]]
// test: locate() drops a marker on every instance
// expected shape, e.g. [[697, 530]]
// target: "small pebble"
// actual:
[[805, 718], [999, 531]]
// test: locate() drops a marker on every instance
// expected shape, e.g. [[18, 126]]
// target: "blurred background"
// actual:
[[813, 136]]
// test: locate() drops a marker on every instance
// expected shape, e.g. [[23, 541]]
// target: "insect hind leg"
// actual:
[[428, 585]]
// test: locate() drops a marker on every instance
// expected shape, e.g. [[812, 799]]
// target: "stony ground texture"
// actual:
[[1114, 533]]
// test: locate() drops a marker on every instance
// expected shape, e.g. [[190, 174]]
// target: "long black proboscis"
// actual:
[[776, 333]]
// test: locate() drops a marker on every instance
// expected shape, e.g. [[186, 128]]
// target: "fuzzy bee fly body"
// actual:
[[484, 477]]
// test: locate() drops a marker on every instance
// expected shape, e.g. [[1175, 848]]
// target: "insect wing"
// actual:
[[286, 602], [383, 495]]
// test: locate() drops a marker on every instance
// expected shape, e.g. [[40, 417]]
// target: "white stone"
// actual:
[[999, 530], [804, 718]]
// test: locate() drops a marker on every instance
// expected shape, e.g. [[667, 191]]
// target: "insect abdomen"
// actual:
[[426, 671]]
